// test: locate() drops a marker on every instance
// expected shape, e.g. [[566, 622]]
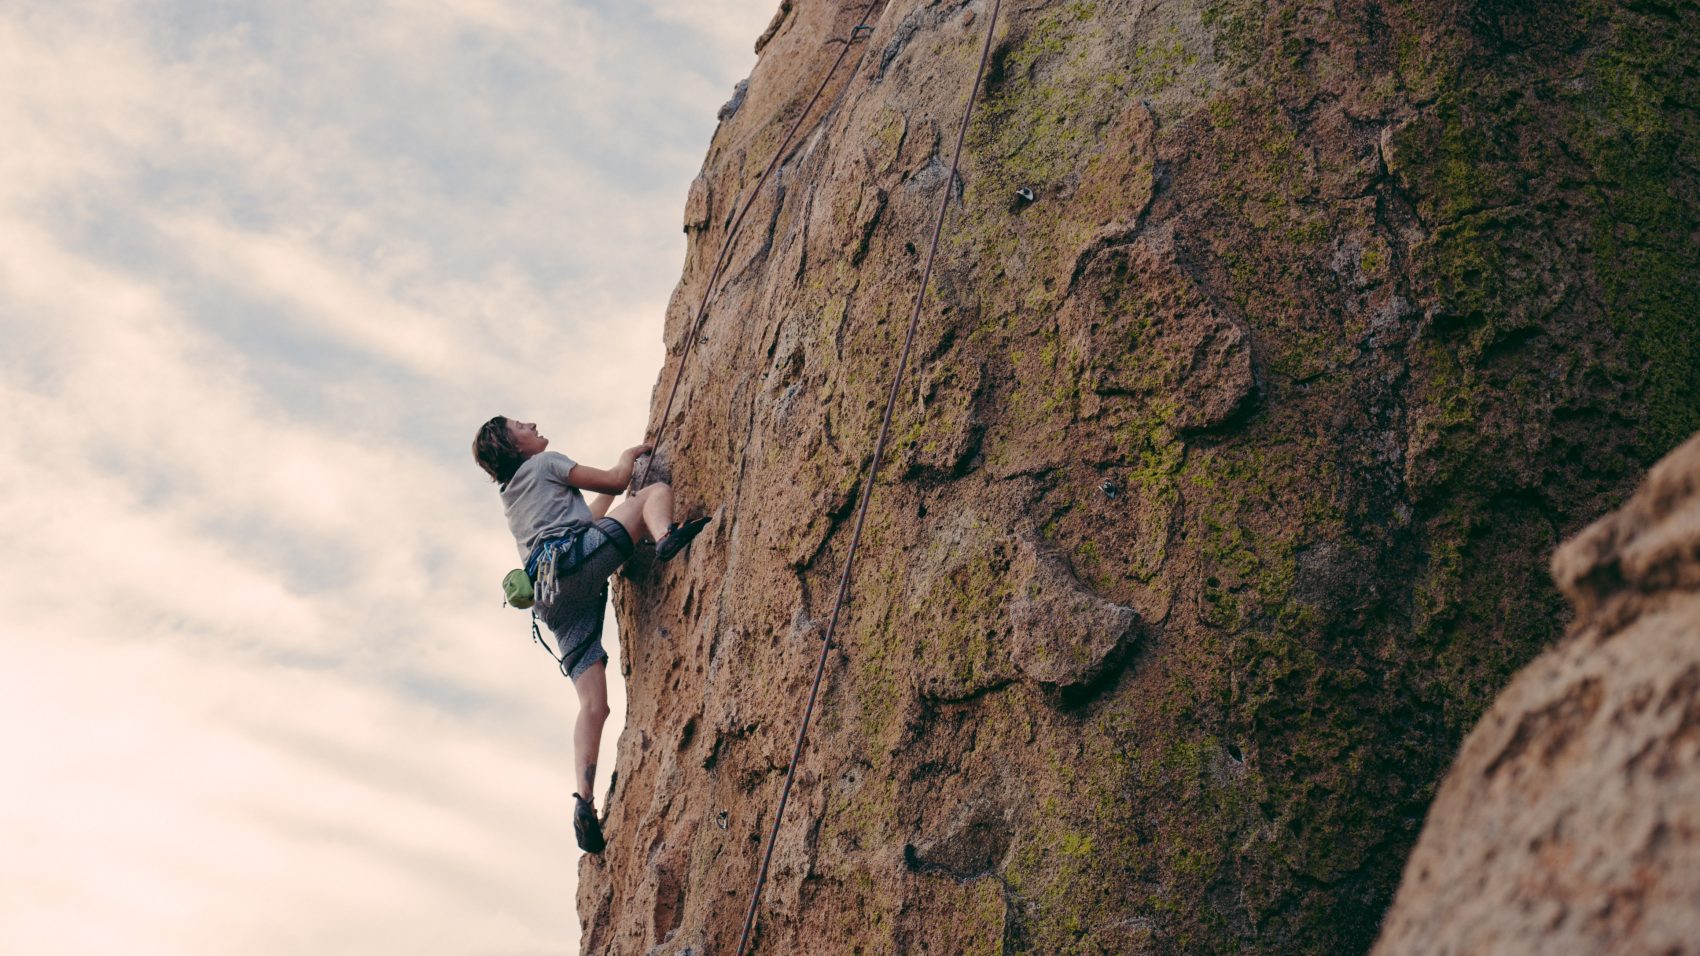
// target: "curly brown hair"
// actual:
[[495, 452]]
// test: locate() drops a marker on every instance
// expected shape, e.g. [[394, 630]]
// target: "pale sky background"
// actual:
[[264, 268]]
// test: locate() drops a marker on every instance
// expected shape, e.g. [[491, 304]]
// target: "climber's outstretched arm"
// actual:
[[609, 481]]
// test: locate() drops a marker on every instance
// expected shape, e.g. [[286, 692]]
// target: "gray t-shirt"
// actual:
[[539, 502]]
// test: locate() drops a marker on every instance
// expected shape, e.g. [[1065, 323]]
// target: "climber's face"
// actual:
[[526, 438]]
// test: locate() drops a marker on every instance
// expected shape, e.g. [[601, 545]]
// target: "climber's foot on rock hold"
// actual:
[[678, 536], [586, 827]]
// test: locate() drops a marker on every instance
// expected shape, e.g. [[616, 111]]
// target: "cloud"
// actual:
[[263, 269], [254, 805]]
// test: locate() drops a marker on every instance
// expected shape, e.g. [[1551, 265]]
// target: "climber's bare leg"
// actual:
[[646, 513], [592, 687]]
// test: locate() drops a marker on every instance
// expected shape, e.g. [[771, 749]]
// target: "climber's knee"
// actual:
[[597, 711]]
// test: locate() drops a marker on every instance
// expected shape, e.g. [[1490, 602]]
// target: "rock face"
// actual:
[[1222, 483], [1571, 821]]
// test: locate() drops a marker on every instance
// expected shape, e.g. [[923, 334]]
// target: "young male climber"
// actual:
[[570, 548]]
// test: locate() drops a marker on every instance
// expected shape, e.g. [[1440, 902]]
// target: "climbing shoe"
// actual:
[[586, 827], [677, 537]]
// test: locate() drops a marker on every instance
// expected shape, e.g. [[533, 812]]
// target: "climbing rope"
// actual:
[[860, 30], [868, 486]]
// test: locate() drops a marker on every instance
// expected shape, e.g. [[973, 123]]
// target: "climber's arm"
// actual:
[[599, 506], [608, 481]]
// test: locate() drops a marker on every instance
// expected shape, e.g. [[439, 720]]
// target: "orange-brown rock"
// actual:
[[1222, 481], [1571, 820]]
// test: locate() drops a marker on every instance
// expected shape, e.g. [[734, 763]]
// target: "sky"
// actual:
[[264, 269]]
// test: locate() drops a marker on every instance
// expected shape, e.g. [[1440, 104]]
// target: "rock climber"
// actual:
[[557, 531]]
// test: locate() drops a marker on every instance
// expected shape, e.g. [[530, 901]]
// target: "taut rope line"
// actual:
[[868, 487]]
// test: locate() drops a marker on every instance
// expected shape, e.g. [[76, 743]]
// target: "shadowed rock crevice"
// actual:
[[972, 845], [1061, 635]]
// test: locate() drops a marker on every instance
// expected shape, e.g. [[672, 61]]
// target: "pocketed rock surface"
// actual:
[[1222, 482], [1571, 820]]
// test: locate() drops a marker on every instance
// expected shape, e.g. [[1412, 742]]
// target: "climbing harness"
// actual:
[[856, 33], [538, 582], [868, 487]]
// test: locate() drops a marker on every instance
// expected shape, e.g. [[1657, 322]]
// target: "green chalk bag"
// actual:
[[517, 586]]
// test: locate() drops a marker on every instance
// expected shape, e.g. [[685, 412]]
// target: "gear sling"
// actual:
[[537, 582]]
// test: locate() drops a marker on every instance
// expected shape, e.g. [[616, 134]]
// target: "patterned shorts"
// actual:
[[575, 615]]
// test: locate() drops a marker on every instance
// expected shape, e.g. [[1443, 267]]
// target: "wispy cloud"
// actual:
[[263, 269]]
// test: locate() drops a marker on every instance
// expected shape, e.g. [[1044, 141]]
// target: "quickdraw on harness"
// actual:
[[550, 560]]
